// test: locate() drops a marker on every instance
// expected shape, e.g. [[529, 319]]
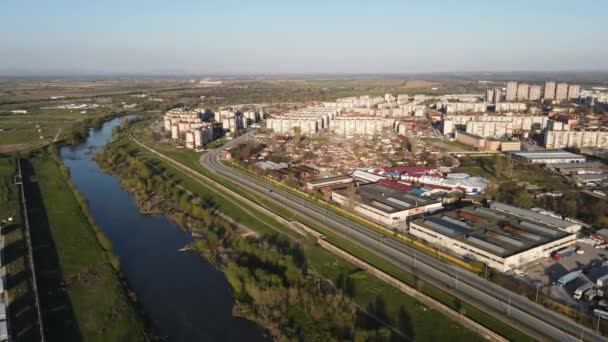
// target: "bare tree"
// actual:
[[508, 167], [352, 198]]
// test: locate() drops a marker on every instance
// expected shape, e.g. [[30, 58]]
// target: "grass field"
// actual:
[[82, 297], [368, 286], [19, 296], [446, 145], [533, 174]]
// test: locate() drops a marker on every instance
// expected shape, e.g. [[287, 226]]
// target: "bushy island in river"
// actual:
[[269, 274]]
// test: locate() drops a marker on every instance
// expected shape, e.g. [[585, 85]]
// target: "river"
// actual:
[[186, 298]]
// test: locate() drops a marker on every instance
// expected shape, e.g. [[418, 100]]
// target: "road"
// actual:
[[517, 307]]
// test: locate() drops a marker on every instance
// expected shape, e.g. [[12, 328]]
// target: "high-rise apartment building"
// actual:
[[561, 91], [523, 90], [534, 94], [549, 90], [497, 95], [489, 95], [493, 95], [511, 93], [574, 91]]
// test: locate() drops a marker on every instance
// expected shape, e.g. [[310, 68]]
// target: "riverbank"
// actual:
[[82, 295], [397, 310], [189, 161], [268, 274]]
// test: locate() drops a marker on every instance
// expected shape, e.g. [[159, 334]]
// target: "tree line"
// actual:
[[269, 274]]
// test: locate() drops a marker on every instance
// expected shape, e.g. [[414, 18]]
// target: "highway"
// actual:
[[517, 307]]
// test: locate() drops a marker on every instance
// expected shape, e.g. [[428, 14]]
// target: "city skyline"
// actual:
[[234, 37]]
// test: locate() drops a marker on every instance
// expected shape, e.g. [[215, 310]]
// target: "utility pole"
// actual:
[[509, 307], [537, 289]]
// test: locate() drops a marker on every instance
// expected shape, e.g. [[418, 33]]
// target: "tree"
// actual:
[[523, 199], [508, 167], [352, 198], [498, 166], [297, 134]]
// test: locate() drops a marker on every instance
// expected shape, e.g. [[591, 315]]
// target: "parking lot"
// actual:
[[545, 273]]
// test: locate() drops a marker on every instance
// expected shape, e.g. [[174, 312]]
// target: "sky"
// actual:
[[199, 37]]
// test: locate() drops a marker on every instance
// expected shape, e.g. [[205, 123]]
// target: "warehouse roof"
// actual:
[[534, 216], [591, 164], [547, 154], [389, 199], [329, 179], [495, 232]]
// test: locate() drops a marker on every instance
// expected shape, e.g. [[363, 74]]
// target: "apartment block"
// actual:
[[511, 93], [523, 91], [549, 90]]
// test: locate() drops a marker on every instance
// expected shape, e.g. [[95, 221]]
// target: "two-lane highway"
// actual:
[[519, 308]]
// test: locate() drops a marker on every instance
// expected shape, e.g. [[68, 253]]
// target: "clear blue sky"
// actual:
[[259, 36]]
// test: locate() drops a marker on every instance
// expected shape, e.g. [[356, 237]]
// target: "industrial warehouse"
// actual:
[[390, 204], [503, 241], [547, 157]]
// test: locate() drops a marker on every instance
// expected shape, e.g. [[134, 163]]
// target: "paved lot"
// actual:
[[548, 271]]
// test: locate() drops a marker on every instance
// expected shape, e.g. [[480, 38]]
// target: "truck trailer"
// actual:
[[603, 280], [578, 293], [563, 253], [568, 278]]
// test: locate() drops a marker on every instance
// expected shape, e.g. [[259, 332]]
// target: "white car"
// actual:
[[519, 272]]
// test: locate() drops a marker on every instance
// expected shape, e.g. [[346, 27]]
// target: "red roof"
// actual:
[[394, 184], [409, 169]]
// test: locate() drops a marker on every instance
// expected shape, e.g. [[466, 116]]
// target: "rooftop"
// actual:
[[389, 199], [329, 179], [547, 154], [495, 232], [591, 164]]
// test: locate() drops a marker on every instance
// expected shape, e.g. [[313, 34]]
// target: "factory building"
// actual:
[[547, 157], [319, 183], [389, 205], [563, 225], [502, 240]]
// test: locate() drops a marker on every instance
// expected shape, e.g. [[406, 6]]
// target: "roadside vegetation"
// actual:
[[190, 159], [368, 289], [82, 295]]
